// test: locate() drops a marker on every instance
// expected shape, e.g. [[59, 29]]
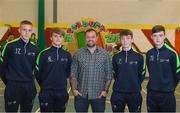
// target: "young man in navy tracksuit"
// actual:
[[129, 72], [52, 70], [17, 63], [164, 67]]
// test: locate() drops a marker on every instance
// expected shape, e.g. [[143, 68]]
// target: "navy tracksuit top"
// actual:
[[129, 71], [53, 68], [18, 59], [164, 69]]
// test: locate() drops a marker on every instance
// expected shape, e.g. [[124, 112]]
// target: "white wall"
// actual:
[[106, 11], [121, 11], [48, 11], [17, 10]]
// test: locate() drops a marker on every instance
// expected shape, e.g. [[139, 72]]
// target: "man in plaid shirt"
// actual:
[[91, 70]]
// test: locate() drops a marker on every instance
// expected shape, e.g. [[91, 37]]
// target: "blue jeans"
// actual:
[[82, 104]]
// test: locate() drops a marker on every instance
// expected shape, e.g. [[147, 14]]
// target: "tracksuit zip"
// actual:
[[57, 52], [126, 57], [25, 48], [157, 55]]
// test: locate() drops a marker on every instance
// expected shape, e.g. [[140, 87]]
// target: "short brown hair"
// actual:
[[126, 32], [90, 30], [57, 31], [26, 22], [158, 28]]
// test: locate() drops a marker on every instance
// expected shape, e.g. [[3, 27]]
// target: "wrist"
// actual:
[[73, 90], [106, 91]]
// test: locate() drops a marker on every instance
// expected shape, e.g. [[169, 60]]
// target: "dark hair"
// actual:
[[57, 31], [126, 32], [26, 22], [90, 30], [158, 28]]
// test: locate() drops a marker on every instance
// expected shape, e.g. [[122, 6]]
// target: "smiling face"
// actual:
[[126, 41], [158, 38], [91, 39], [57, 39]]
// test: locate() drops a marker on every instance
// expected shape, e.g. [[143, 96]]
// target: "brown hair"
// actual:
[[90, 30], [126, 32], [57, 31], [26, 22], [158, 28]]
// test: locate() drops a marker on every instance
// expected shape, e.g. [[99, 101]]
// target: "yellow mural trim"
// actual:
[[13, 24], [107, 26]]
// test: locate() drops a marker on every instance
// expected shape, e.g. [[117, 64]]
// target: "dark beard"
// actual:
[[91, 46]]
